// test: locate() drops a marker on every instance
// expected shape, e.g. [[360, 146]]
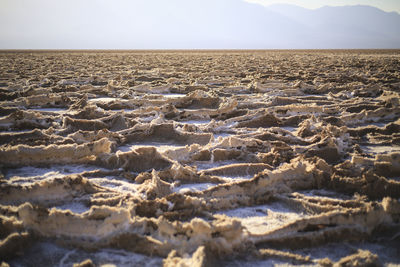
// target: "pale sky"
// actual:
[[386, 5], [196, 24]]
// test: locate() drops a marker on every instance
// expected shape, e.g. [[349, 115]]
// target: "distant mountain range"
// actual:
[[138, 24], [344, 26]]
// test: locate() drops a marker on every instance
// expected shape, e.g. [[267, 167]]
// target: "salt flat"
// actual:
[[232, 158]]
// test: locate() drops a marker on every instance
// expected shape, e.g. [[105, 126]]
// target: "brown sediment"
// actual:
[[201, 158]]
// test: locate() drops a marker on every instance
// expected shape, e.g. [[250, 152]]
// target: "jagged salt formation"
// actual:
[[200, 158]]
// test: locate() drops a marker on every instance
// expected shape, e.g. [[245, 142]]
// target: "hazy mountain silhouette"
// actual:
[[192, 24], [346, 26]]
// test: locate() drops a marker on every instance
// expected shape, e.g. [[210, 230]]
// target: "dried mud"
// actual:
[[178, 158]]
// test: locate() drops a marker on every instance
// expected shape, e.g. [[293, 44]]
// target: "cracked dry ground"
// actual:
[[234, 158]]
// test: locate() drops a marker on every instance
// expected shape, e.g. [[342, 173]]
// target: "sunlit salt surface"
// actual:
[[127, 110], [54, 255], [161, 147], [75, 207], [235, 178], [222, 135], [196, 122], [200, 165], [380, 149], [173, 95], [103, 99], [30, 174], [50, 110], [264, 218], [184, 188], [116, 184], [8, 131]]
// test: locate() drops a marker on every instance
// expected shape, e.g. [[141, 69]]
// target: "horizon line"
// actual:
[[189, 49]]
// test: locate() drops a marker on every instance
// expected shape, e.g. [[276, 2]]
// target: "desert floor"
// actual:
[[225, 158]]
